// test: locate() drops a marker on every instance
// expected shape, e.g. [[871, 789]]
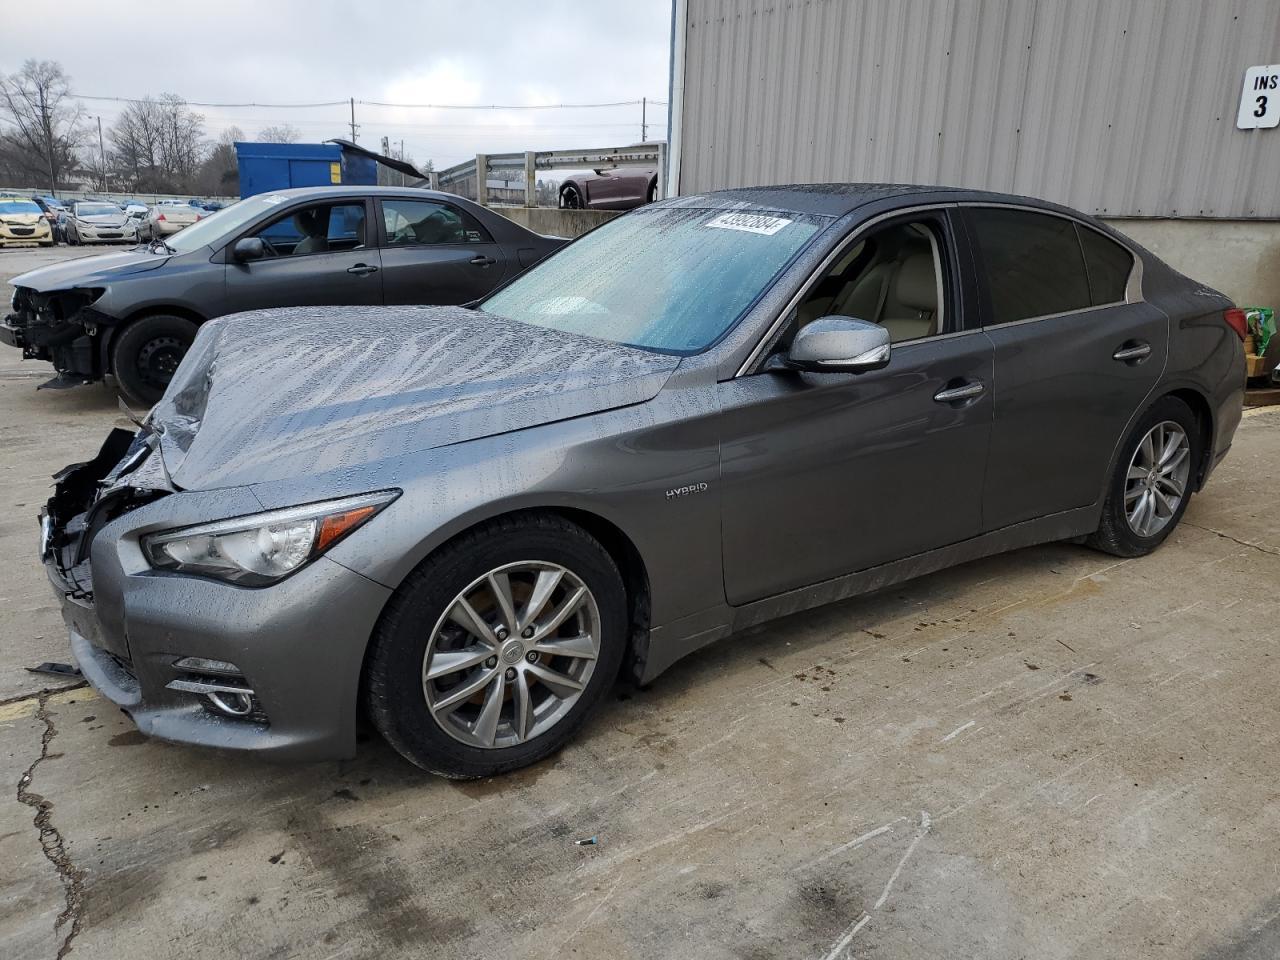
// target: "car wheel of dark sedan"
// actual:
[[571, 199], [146, 354], [493, 652], [1152, 481]]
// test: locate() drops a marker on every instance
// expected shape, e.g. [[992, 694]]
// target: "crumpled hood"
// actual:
[[89, 271], [282, 394]]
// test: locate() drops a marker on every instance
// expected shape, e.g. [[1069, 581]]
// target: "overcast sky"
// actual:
[[442, 52]]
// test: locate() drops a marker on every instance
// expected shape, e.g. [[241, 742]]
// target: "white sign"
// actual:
[[1260, 99], [748, 223]]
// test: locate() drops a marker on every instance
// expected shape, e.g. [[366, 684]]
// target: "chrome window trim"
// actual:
[[756, 355], [1132, 288]]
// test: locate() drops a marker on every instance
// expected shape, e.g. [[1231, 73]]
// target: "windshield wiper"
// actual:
[[151, 247]]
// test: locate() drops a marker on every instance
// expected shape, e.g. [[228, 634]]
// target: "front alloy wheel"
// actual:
[[1157, 478], [493, 651], [512, 654]]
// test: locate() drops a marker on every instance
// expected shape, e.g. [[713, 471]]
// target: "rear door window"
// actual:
[[1109, 267], [418, 222], [1033, 262]]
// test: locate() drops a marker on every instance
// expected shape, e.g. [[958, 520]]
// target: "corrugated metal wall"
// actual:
[[1116, 107]]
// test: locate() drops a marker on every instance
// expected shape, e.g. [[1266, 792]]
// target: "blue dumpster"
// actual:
[[277, 166]]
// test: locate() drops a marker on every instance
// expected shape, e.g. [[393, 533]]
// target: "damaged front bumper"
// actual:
[[60, 327], [273, 670], [36, 233]]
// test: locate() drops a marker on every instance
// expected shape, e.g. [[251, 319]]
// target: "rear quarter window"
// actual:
[[1109, 266], [1033, 262]]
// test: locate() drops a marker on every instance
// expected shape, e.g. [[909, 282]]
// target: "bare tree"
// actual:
[[45, 125], [279, 133], [219, 174], [158, 144]]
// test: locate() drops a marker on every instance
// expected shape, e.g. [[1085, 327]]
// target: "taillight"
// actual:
[[159, 216], [1236, 321]]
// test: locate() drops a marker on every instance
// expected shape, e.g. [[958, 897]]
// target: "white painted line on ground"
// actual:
[[957, 731]]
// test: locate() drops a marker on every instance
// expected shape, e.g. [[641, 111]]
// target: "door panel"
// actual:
[[441, 274], [318, 279], [1061, 404], [435, 253], [827, 474]]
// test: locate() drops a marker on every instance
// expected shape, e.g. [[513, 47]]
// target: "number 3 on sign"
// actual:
[[1260, 98]]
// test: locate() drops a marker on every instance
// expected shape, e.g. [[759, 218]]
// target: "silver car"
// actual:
[[708, 413], [96, 221], [166, 218]]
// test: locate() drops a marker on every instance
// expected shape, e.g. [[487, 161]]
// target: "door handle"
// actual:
[[362, 269], [483, 261], [1138, 351], [964, 391]]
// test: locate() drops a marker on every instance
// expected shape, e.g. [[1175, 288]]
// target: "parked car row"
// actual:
[[706, 414], [93, 220], [134, 314]]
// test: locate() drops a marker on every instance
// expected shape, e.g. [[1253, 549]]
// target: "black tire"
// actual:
[[652, 195], [571, 198], [1114, 534], [145, 354], [394, 663]]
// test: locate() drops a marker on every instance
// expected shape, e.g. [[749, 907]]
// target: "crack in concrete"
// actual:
[[1226, 536], [23, 697], [51, 840]]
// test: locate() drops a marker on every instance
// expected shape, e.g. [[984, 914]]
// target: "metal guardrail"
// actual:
[[531, 161]]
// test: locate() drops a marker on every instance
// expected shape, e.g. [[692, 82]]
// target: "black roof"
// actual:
[[838, 199]]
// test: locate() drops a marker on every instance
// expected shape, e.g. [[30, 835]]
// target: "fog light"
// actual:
[[202, 665], [220, 685], [233, 704]]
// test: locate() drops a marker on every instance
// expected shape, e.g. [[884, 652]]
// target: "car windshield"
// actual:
[[216, 226], [8, 205], [670, 279], [97, 210]]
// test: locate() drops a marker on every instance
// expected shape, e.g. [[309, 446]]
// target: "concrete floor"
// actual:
[[1049, 754]]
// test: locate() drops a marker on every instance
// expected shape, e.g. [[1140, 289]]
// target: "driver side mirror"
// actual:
[[838, 345], [249, 248]]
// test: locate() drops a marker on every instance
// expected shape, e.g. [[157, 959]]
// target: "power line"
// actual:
[[380, 103], [199, 103]]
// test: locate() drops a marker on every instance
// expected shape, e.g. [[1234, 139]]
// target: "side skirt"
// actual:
[[673, 641]]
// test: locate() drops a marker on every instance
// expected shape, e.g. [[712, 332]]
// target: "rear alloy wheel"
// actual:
[[493, 652], [1152, 482], [571, 199], [146, 354], [1156, 480]]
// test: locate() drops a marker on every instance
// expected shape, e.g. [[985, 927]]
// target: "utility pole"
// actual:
[[102, 158], [353, 120], [644, 117]]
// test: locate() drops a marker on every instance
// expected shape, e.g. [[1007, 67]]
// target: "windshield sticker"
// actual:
[[748, 223]]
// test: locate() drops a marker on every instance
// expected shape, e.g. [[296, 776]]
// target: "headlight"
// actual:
[[263, 548]]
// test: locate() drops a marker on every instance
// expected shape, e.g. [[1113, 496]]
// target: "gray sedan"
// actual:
[[708, 413], [134, 315]]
